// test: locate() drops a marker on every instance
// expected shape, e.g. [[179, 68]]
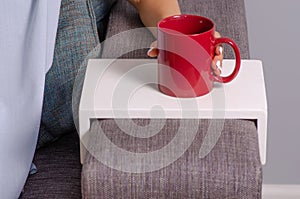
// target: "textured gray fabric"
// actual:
[[231, 170], [228, 15], [59, 171]]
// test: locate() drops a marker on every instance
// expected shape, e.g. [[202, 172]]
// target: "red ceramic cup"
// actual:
[[186, 46]]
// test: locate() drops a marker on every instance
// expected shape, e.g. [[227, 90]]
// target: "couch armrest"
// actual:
[[231, 170]]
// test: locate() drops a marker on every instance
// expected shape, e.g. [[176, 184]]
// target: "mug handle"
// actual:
[[237, 59]]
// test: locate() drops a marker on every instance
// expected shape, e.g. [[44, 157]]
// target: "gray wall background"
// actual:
[[274, 37]]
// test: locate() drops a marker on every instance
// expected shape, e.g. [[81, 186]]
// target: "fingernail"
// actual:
[[149, 51], [221, 50], [218, 64]]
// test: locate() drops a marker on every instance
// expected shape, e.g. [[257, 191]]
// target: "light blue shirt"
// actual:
[[27, 38]]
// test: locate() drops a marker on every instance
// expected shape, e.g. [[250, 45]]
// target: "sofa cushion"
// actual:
[[58, 171]]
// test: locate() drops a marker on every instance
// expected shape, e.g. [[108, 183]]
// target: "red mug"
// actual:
[[186, 45]]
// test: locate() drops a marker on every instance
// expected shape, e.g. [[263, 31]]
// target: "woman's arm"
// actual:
[[151, 11]]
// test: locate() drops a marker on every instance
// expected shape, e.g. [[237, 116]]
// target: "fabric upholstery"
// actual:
[[231, 170], [59, 171]]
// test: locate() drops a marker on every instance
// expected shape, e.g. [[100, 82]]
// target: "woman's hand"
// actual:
[[216, 65]]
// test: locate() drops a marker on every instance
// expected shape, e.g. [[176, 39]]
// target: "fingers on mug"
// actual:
[[224, 40]]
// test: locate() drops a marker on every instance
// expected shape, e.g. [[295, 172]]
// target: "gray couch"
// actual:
[[231, 170]]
